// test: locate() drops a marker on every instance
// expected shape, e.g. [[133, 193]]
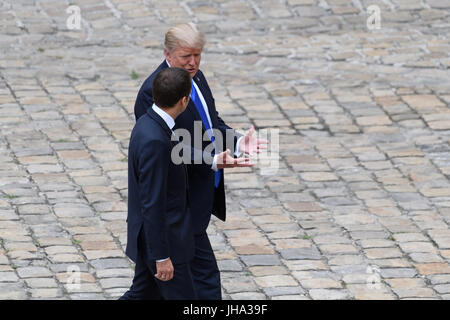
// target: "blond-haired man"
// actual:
[[183, 49]]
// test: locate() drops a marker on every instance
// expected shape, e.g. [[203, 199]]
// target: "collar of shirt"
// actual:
[[166, 117]]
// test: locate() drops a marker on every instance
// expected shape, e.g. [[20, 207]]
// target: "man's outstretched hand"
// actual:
[[250, 144], [226, 160]]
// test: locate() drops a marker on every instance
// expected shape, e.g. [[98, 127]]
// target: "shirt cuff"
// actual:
[[162, 260], [214, 164], [237, 153]]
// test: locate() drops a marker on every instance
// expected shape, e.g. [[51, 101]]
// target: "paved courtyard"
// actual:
[[359, 207]]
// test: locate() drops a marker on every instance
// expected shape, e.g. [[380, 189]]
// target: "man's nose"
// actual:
[[192, 61]]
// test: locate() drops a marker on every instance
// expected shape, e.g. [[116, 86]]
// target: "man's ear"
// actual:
[[167, 54], [185, 100]]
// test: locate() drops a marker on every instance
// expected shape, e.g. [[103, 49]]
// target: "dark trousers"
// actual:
[[146, 287], [205, 272]]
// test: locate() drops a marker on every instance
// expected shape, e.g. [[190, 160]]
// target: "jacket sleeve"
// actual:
[[153, 167]]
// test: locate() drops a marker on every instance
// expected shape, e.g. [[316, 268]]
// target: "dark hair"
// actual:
[[170, 85]]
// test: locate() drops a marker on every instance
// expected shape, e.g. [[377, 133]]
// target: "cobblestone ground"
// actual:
[[360, 205]]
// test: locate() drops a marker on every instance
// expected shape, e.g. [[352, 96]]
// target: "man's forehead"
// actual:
[[186, 50]]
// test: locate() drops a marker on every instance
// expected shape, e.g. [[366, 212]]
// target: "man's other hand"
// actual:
[[251, 145], [226, 160], [164, 270]]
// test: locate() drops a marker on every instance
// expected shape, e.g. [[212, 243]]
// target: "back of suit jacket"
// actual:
[[204, 198], [157, 194]]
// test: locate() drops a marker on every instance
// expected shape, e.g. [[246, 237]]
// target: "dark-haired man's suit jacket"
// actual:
[[157, 193], [159, 222], [204, 198]]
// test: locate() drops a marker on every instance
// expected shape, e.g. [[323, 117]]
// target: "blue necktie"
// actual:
[[198, 104]]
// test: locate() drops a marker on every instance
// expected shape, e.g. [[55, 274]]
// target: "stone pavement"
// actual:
[[359, 207]]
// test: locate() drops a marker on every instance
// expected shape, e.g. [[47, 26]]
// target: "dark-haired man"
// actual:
[[160, 236]]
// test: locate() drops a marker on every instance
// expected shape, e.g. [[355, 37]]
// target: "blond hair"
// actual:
[[184, 35]]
